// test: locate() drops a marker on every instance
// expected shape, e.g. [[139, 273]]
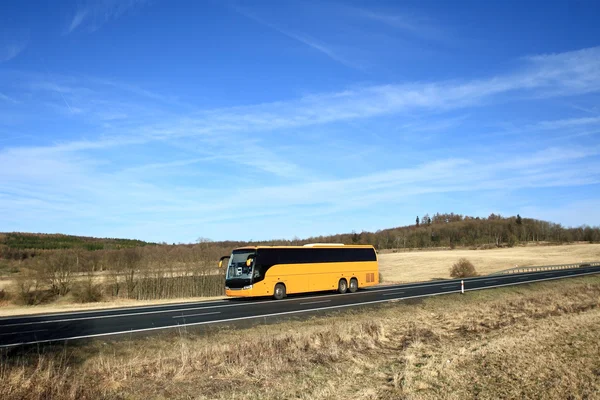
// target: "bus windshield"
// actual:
[[237, 268]]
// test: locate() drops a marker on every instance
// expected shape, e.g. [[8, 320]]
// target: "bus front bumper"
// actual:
[[242, 292]]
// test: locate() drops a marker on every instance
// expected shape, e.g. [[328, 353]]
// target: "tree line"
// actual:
[[45, 241], [452, 230], [438, 230]]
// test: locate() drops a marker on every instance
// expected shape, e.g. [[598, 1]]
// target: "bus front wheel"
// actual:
[[353, 285], [342, 286], [279, 292]]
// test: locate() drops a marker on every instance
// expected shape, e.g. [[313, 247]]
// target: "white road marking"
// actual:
[[315, 302], [20, 333], [197, 315], [113, 309], [392, 293]]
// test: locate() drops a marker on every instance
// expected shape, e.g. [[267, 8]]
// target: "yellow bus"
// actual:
[[281, 270]]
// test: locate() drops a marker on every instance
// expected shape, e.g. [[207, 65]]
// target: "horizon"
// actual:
[[266, 121], [201, 240]]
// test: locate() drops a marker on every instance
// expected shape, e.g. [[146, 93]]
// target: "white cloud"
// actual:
[[302, 38], [95, 13], [410, 24], [77, 181], [77, 19], [11, 50], [8, 99], [568, 123], [565, 79]]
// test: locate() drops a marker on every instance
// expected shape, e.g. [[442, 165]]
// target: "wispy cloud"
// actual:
[[410, 24], [566, 78], [305, 39], [95, 13], [77, 180], [77, 19], [353, 104], [566, 127], [568, 123], [8, 99], [365, 102], [11, 50], [143, 92], [64, 187]]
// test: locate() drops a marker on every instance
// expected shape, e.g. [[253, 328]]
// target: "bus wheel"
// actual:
[[279, 292], [353, 285], [342, 286]]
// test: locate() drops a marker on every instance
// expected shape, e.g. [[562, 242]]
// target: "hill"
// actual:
[[16, 241], [441, 230]]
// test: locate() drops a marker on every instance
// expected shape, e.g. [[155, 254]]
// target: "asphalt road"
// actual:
[[15, 331]]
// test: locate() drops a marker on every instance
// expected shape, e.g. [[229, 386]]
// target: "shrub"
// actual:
[[3, 295], [87, 292], [463, 268], [380, 277], [27, 289]]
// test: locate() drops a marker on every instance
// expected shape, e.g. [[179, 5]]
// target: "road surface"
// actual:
[[23, 330]]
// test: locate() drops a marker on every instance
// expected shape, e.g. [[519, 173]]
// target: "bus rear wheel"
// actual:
[[342, 286], [279, 291], [353, 285]]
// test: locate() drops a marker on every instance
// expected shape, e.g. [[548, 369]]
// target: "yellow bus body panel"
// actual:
[[303, 278]]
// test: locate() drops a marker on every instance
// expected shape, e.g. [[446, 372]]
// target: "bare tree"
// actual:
[[58, 271]]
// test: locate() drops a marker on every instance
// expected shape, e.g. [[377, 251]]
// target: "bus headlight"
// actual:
[[247, 287]]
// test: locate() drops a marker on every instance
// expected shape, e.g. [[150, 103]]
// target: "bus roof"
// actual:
[[313, 245]]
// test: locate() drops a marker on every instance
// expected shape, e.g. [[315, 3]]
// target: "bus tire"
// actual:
[[279, 291], [353, 285], [342, 286]]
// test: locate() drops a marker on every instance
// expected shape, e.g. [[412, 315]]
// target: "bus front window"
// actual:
[[237, 268]]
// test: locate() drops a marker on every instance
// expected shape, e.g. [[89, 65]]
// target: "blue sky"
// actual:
[[173, 120]]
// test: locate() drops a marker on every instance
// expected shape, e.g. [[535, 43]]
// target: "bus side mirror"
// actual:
[[221, 260]]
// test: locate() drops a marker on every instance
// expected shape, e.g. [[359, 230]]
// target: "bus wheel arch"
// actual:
[[342, 286], [279, 292], [353, 287]]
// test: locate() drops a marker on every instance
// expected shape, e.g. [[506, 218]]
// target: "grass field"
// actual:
[[417, 266], [531, 341]]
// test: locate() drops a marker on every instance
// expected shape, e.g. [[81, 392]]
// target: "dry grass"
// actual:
[[418, 266], [538, 341]]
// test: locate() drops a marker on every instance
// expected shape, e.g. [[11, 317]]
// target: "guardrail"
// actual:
[[518, 270]]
